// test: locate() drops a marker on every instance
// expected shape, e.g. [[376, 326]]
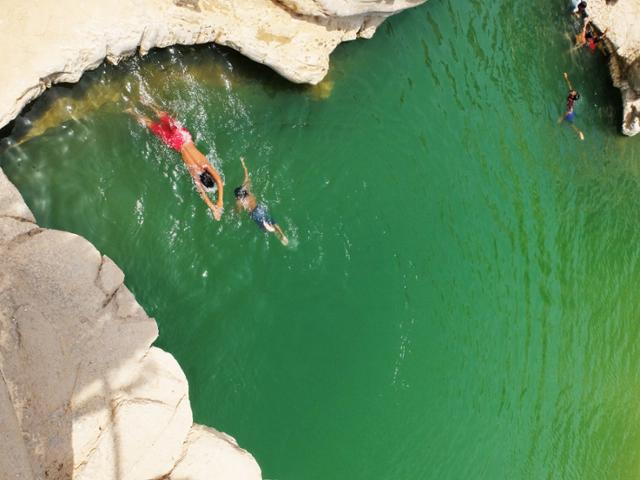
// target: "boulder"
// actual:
[[209, 454], [621, 20], [83, 394], [57, 40]]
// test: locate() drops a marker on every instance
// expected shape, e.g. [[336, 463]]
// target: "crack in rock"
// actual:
[[24, 237], [18, 219]]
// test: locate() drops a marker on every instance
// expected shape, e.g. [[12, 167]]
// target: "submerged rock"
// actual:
[[621, 19]]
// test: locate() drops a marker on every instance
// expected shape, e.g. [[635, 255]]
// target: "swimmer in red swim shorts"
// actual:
[[177, 137]]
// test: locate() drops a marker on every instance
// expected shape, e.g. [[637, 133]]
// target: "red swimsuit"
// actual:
[[171, 132]]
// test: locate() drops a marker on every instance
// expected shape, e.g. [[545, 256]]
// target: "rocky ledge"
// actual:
[[621, 19], [51, 41], [83, 393]]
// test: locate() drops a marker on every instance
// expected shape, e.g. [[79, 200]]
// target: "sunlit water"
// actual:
[[459, 297]]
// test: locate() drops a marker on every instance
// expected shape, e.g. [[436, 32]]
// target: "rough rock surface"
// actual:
[[210, 454], [67, 37], [83, 394], [345, 8], [621, 19]]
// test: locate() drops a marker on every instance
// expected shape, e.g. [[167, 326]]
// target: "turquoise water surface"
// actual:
[[458, 300]]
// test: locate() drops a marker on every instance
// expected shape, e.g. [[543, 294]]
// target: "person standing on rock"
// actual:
[[245, 200], [177, 137], [580, 11], [570, 115]]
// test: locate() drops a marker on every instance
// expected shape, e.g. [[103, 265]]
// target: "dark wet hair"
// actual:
[[240, 192], [207, 179]]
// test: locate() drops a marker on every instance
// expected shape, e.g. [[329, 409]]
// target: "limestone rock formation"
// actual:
[[83, 394], [65, 37], [345, 8], [621, 19], [210, 454]]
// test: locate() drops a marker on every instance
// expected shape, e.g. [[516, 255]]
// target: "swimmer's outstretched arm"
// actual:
[[153, 106], [216, 178], [215, 209], [141, 119], [247, 180], [566, 78]]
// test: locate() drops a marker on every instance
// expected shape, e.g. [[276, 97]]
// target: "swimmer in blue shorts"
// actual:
[[570, 115], [245, 200]]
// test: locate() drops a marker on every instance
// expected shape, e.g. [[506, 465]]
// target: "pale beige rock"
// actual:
[[65, 37], [16, 228], [621, 19], [345, 8], [148, 408], [209, 454], [14, 460], [11, 202], [110, 277], [83, 394]]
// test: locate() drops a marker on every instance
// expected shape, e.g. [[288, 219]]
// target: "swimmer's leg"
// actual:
[[577, 130], [283, 238], [268, 226]]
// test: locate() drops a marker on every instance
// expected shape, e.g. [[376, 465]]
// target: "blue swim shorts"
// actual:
[[261, 216]]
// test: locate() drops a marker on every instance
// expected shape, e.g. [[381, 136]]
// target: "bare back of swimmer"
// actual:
[[177, 137]]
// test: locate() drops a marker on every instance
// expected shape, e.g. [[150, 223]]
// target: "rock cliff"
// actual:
[[83, 394], [345, 8], [621, 19], [66, 38]]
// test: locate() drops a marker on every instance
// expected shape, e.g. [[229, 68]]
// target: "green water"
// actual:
[[459, 298]]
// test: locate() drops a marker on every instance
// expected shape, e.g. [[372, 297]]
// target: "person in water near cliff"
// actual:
[[245, 200], [177, 137], [591, 37], [570, 115]]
